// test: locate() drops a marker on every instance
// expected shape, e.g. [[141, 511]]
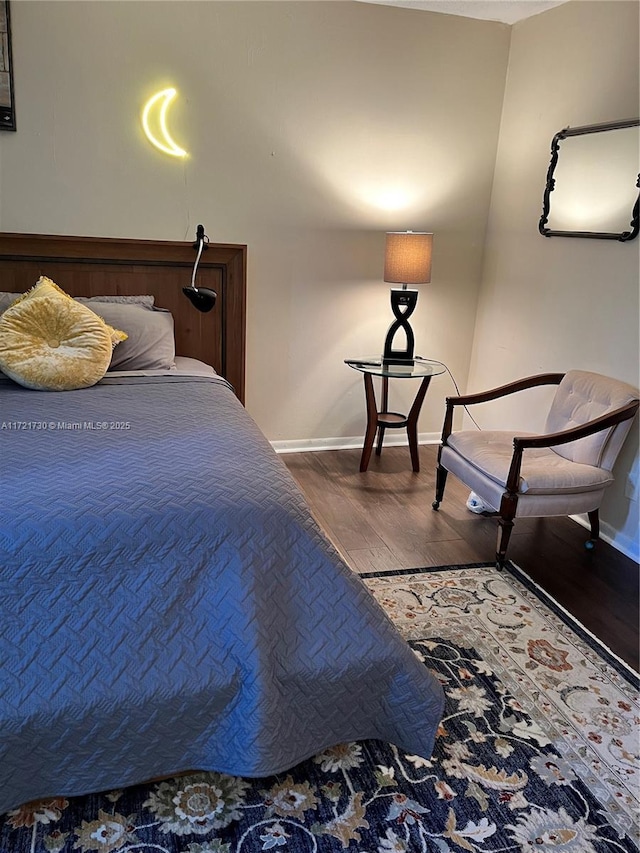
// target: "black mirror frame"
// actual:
[[623, 236], [8, 113]]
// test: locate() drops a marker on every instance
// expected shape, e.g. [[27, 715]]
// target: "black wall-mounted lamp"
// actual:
[[203, 298]]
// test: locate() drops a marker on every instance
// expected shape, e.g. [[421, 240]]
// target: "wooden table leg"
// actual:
[[385, 407], [412, 423], [372, 421]]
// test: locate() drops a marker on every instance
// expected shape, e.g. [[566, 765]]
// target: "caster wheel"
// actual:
[[590, 545], [435, 505]]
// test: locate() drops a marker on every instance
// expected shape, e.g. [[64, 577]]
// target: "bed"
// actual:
[[168, 603]]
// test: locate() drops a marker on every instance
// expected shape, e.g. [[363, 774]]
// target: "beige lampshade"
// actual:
[[407, 257]]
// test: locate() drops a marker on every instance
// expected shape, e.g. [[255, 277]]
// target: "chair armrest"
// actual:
[[510, 388], [551, 439], [494, 394]]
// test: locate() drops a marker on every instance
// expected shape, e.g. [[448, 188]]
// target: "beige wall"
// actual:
[[552, 304], [312, 129]]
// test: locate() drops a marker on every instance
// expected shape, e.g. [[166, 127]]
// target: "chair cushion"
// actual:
[[543, 470], [581, 397]]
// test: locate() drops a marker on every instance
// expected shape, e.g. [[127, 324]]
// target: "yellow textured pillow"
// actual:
[[50, 342]]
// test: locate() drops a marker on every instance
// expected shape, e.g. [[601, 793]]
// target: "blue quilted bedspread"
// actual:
[[168, 603]]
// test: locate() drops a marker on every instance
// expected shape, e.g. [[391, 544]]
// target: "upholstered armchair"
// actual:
[[564, 471]]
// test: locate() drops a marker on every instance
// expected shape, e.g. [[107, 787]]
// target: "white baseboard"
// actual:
[[349, 442], [625, 544]]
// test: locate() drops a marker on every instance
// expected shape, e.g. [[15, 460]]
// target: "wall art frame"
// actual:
[[7, 104], [631, 213]]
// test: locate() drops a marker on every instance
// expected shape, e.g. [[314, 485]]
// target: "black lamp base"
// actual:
[[403, 303], [398, 359]]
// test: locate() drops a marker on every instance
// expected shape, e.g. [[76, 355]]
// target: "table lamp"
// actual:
[[407, 260]]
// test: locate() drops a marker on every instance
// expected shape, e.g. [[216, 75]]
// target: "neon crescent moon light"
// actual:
[[161, 139]]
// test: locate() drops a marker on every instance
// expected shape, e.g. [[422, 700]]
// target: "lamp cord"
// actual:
[[457, 390]]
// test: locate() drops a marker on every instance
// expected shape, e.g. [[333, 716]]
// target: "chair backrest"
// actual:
[[581, 397]]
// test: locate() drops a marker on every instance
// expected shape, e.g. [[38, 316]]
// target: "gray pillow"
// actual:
[[150, 344], [142, 300], [6, 299]]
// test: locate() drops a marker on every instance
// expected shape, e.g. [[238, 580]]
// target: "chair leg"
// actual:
[[594, 521], [505, 526], [441, 481]]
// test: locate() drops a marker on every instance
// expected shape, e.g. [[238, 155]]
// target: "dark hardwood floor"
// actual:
[[382, 519]]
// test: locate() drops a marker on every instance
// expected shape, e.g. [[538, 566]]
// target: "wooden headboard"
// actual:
[[97, 266]]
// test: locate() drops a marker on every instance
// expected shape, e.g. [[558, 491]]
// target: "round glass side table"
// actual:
[[379, 420]]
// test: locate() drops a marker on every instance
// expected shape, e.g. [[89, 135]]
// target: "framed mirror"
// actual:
[[7, 109], [593, 182]]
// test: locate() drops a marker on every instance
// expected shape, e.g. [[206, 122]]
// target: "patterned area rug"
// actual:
[[537, 751]]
